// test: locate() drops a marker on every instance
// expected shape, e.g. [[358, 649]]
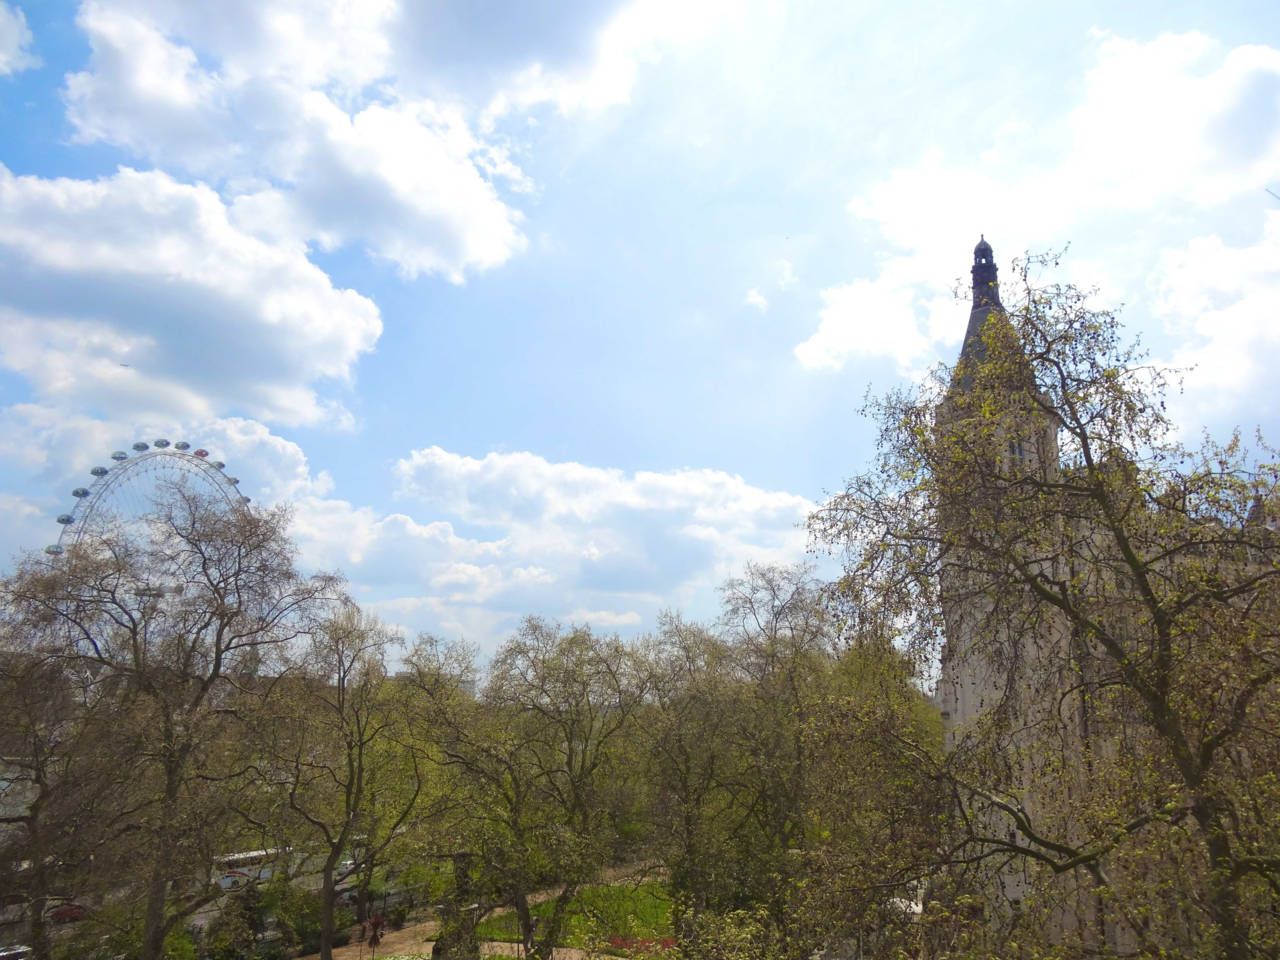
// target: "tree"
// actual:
[[785, 805], [689, 730], [1110, 602], [344, 772], [537, 753], [171, 620], [783, 648], [62, 783]]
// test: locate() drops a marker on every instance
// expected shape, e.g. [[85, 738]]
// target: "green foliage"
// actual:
[[735, 935], [602, 911], [240, 923], [299, 914], [113, 932]]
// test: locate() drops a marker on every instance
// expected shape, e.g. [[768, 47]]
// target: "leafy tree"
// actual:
[[537, 755], [784, 799], [876, 816], [60, 782], [169, 621], [344, 774], [1110, 600], [782, 646], [727, 741], [239, 925], [689, 729]]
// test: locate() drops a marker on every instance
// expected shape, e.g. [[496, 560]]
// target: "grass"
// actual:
[[608, 912]]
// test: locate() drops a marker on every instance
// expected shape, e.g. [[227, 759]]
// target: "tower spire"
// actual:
[[986, 298]]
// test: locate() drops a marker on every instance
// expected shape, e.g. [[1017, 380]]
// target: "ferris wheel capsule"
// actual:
[[159, 444], [119, 456], [53, 549], [140, 446], [66, 519], [233, 479], [99, 471], [218, 463], [80, 493], [182, 445], [201, 452]]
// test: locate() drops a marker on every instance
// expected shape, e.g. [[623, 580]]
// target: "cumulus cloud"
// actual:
[[1175, 117], [15, 41], [640, 33], [136, 294], [755, 298], [280, 115], [311, 42], [479, 543], [585, 544], [1220, 301], [1174, 123], [865, 318], [604, 618], [573, 534]]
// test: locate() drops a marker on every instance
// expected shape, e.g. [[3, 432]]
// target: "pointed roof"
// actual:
[[986, 300]]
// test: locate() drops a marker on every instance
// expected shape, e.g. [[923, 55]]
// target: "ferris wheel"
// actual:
[[127, 490]]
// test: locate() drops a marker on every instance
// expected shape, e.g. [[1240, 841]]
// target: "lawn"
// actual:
[[620, 915]]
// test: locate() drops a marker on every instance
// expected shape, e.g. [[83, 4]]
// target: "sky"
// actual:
[[570, 309]]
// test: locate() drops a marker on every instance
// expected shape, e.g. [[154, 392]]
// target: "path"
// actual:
[[416, 941]]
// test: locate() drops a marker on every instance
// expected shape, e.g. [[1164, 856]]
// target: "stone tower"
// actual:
[[1006, 656], [993, 415]]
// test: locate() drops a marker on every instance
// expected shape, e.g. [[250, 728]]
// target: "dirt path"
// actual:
[[417, 941]]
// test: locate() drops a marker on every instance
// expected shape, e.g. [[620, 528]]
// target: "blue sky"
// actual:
[[569, 308]]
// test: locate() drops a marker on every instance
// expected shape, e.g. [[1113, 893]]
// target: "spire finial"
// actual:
[[986, 292]]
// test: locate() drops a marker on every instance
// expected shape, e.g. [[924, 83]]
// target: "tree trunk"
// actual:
[[153, 922], [1224, 895], [326, 912], [154, 927], [457, 937], [526, 922], [40, 947], [555, 922]]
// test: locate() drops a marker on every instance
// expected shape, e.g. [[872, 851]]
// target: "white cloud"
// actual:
[[345, 44], [1165, 127], [278, 115], [640, 33], [15, 41], [592, 544], [605, 618], [572, 536], [137, 294], [1176, 118], [608, 547], [755, 298], [1220, 301], [864, 318]]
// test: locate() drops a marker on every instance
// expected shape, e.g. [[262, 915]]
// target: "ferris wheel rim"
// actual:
[[144, 458]]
